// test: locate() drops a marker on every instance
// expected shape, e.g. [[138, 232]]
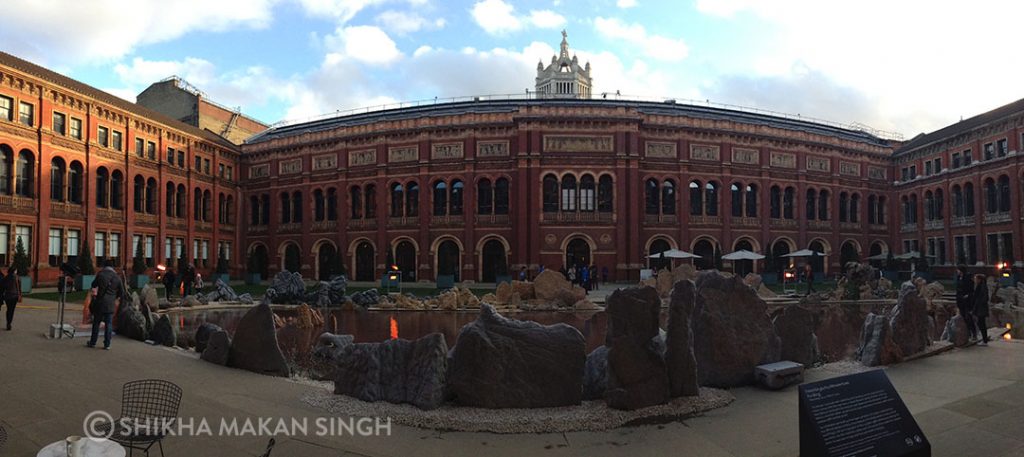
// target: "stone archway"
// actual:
[[706, 250], [658, 245], [818, 262], [327, 261], [577, 252], [292, 258], [260, 259], [364, 261], [742, 267], [848, 252], [405, 259], [448, 259], [494, 262]]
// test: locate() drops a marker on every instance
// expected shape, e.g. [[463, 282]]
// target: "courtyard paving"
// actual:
[[968, 402]]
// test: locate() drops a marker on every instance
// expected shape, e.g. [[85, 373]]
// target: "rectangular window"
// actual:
[[195, 251], [115, 248], [23, 233], [913, 171], [179, 247], [26, 113], [170, 156], [206, 166], [928, 168], [6, 110], [968, 158], [116, 136], [972, 249], [227, 250], [1006, 247], [905, 174], [56, 246], [73, 238], [199, 163], [230, 174], [942, 251], [76, 128], [136, 242], [992, 243], [150, 242], [1001, 148], [956, 160], [140, 147], [59, 126], [220, 170], [938, 165], [181, 159], [959, 255], [5, 236], [102, 134], [989, 151], [206, 253], [100, 245], [168, 247], [151, 150], [931, 256]]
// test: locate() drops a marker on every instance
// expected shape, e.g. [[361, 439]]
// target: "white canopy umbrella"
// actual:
[[674, 254], [742, 254], [882, 256], [804, 253], [908, 255]]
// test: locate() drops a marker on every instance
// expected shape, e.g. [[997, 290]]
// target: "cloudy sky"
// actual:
[[906, 66]]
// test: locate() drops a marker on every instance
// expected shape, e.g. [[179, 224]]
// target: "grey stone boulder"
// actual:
[[246, 298], [328, 293], [222, 292], [732, 333], [165, 332], [327, 351], [633, 311], [877, 346], [595, 374], [131, 323], [149, 297], [366, 298], [203, 335], [218, 348], [288, 288], [191, 301], [679, 358], [637, 375], [505, 363], [956, 332], [395, 371], [795, 327], [254, 346], [909, 321]]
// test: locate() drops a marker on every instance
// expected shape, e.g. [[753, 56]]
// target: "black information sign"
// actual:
[[859, 415]]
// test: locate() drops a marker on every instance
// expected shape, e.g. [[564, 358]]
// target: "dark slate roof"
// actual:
[[75, 86], [963, 126], [505, 106]]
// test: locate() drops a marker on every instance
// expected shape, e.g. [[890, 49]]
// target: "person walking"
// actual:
[[585, 278], [107, 288], [604, 274], [10, 292], [188, 279], [981, 307], [572, 275], [809, 277], [170, 282], [964, 299], [522, 274]]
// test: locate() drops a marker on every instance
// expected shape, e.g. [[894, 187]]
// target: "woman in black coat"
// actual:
[[980, 300], [965, 300]]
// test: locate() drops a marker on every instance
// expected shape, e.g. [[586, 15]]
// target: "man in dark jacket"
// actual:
[[981, 307], [964, 302], [107, 289]]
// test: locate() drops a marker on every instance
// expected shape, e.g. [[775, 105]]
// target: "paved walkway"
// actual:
[[968, 401]]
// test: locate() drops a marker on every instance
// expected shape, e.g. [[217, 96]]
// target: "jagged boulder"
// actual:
[[909, 321], [525, 289], [191, 301], [795, 327], [395, 371], [732, 333], [838, 331], [595, 373], [637, 375], [328, 293], [164, 332], [753, 280], [327, 351], [679, 358], [550, 286], [366, 298], [218, 348], [254, 346], [132, 323], [634, 312], [877, 346], [503, 293], [956, 331], [222, 292], [504, 363], [203, 333], [149, 297], [287, 288]]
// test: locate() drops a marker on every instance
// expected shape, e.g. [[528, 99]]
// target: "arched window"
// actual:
[[668, 197], [207, 206], [939, 204], [501, 193], [370, 201], [484, 197], [812, 204], [789, 203], [605, 194], [855, 208], [397, 200], [736, 192], [587, 191], [6, 165], [844, 207], [651, 196], [222, 204], [550, 194], [170, 198], [139, 194], [872, 209], [711, 198], [775, 201], [254, 210], [881, 210], [229, 213], [332, 204], [823, 205], [286, 208], [57, 173], [440, 198], [297, 205], [182, 197], [75, 175], [197, 205], [991, 196], [455, 201], [958, 201], [913, 208], [1004, 194], [905, 202], [568, 193], [929, 206], [968, 200], [319, 205], [356, 197], [751, 200], [25, 174], [412, 199], [102, 187], [152, 194], [696, 198]]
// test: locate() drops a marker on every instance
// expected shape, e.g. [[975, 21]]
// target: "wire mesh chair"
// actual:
[[148, 408]]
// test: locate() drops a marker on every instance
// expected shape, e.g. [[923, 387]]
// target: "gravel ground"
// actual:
[[590, 416]]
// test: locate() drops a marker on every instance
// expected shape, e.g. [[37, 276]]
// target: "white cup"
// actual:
[[75, 446]]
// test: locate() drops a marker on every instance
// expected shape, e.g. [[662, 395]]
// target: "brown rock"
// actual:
[[637, 376], [551, 286], [909, 321], [585, 305], [679, 358], [524, 289], [877, 346], [839, 331], [665, 281], [254, 346], [503, 293], [633, 312], [304, 316], [753, 280], [795, 327]]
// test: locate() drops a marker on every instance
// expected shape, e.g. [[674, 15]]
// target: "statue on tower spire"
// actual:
[[565, 45]]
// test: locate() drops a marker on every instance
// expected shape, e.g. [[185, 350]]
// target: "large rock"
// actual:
[[165, 332], [795, 327], [665, 281], [909, 321], [503, 363], [395, 371], [191, 301], [149, 297], [595, 374], [753, 280], [633, 311], [839, 330], [327, 351], [222, 292], [132, 323], [637, 375], [956, 331], [366, 298], [525, 289], [931, 291], [731, 331], [679, 358], [254, 346], [328, 293], [552, 287], [287, 288], [203, 335], [503, 293], [877, 346], [218, 348]]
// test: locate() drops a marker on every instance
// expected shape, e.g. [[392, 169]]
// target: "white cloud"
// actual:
[[654, 46], [495, 16], [625, 3], [403, 22], [342, 10], [54, 31], [365, 43], [546, 19], [142, 72]]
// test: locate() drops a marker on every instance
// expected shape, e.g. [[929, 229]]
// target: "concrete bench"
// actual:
[[779, 374]]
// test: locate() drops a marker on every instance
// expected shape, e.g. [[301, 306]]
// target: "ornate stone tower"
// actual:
[[563, 78]]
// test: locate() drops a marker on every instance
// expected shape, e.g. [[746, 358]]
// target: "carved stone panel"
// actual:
[[660, 150], [578, 143], [325, 162], [403, 154], [289, 167], [705, 152], [849, 168], [876, 173], [443, 151], [818, 164], [782, 160], [364, 157], [259, 171], [746, 156], [492, 149]]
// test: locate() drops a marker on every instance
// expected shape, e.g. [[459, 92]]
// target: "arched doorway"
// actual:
[[364, 261], [778, 263], [259, 261], [657, 263], [577, 253], [848, 253], [405, 258], [876, 249], [742, 267], [448, 259], [706, 251], [327, 261], [818, 262], [494, 262], [292, 260]]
